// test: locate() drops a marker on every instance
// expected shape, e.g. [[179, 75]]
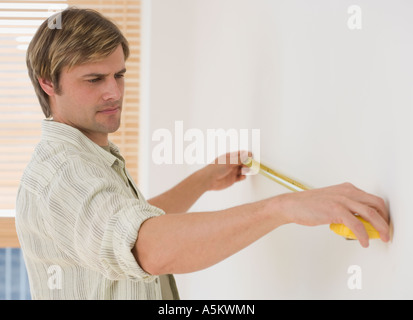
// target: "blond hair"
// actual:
[[85, 36]]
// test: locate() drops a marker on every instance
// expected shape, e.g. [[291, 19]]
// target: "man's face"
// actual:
[[91, 97]]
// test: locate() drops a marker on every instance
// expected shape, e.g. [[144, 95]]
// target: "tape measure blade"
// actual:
[[282, 179], [277, 179], [295, 186]]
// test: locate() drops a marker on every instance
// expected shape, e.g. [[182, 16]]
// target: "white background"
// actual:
[[332, 105]]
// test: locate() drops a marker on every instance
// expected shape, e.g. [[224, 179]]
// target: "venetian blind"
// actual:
[[20, 112]]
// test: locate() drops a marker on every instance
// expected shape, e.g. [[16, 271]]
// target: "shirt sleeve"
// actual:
[[94, 221]]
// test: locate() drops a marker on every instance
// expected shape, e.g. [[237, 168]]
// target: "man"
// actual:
[[85, 229]]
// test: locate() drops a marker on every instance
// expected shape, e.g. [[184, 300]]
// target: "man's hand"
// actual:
[[226, 170], [338, 204]]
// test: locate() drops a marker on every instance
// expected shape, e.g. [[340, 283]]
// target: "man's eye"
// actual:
[[94, 80]]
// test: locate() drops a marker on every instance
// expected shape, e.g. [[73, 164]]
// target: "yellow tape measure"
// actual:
[[295, 186]]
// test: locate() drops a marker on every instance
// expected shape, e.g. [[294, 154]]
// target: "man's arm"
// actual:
[[182, 243], [188, 242], [182, 196], [214, 176]]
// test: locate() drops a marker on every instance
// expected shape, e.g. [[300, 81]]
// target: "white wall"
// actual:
[[332, 104]]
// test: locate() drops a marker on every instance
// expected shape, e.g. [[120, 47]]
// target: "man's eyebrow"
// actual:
[[121, 71], [102, 75]]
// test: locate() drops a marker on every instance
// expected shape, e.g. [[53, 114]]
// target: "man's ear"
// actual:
[[47, 86]]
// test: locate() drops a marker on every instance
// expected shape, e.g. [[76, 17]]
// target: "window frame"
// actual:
[[8, 234]]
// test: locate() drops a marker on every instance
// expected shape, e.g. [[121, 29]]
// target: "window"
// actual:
[[21, 115]]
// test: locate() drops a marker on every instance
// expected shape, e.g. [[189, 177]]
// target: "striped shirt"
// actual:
[[78, 214]]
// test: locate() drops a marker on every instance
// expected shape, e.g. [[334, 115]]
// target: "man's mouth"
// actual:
[[111, 110]]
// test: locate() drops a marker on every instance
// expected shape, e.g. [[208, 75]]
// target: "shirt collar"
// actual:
[[60, 132]]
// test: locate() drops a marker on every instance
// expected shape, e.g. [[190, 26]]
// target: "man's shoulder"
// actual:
[[53, 155], [52, 159]]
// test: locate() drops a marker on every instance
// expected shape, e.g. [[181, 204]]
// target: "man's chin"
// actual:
[[109, 124], [107, 128], [113, 129]]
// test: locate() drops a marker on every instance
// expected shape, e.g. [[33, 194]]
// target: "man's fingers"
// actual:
[[234, 158], [373, 209], [370, 200], [243, 156], [358, 229], [371, 215], [352, 201]]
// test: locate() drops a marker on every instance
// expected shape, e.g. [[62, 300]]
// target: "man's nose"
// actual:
[[113, 90]]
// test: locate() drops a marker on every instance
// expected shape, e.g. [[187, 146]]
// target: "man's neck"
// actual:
[[101, 139]]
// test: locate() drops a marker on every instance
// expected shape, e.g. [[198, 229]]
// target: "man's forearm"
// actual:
[[182, 243], [181, 197], [218, 175]]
